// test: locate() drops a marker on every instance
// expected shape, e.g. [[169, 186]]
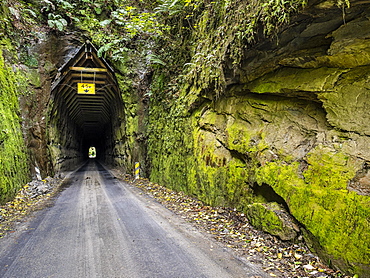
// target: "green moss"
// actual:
[[239, 137], [14, 170], [328, 169], [310, 80], [244, 140], [237, 187], [266, 218], [337, 218]]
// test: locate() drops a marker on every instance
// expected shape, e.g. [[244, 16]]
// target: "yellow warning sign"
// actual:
[[86, 88]]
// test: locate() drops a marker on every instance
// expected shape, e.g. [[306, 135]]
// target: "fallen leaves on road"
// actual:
[[30, 197], [230, 227]]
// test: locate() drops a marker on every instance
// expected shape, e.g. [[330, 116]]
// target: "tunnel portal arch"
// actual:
[[86, 103]]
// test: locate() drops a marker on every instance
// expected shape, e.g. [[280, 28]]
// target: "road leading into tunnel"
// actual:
[[102, 227]]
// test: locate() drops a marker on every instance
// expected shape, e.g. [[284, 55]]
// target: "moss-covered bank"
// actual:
[[337, 218], [14, 169]]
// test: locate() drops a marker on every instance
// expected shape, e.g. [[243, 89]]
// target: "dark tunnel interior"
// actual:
[[86, 106]]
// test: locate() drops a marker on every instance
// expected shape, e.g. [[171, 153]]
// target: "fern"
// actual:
[[57, 22], [154, 59]]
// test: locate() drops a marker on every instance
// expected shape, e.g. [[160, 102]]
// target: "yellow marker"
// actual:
[[86, 88], [137, 170]]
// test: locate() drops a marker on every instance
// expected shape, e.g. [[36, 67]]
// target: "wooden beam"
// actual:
[[88, 69], [87, 75]]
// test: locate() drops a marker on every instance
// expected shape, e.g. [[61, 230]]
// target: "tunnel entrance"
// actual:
[[86, 106]]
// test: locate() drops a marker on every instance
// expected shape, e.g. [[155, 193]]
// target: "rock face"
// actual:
[[273, 219], [292, 128]]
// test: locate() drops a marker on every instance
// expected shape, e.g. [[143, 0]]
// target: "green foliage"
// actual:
[[65, 5], [56, 22], [155, 60], [200, 39], [224, 30], [172, 7], [165, 30], [9, 15], [4, 20], [117, 28], [92, 152], [116, 50], [135, 22]]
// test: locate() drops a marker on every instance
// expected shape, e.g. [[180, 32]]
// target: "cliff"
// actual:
[[284, 122]]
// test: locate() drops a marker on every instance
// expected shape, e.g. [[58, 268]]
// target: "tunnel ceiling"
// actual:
[[86, 87]]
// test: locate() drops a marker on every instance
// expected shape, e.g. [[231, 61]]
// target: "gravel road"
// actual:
[[102, 227]]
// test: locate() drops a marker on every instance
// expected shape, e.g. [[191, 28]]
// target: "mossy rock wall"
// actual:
[[226, 150], [129, 126], [14, 169], [290, 127]]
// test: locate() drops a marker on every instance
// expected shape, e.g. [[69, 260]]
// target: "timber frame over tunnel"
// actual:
[[85, 98]]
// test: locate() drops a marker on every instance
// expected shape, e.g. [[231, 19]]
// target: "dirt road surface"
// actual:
[[102, 227]]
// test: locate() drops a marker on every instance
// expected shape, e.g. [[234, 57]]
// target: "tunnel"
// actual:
[[85, 110]]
